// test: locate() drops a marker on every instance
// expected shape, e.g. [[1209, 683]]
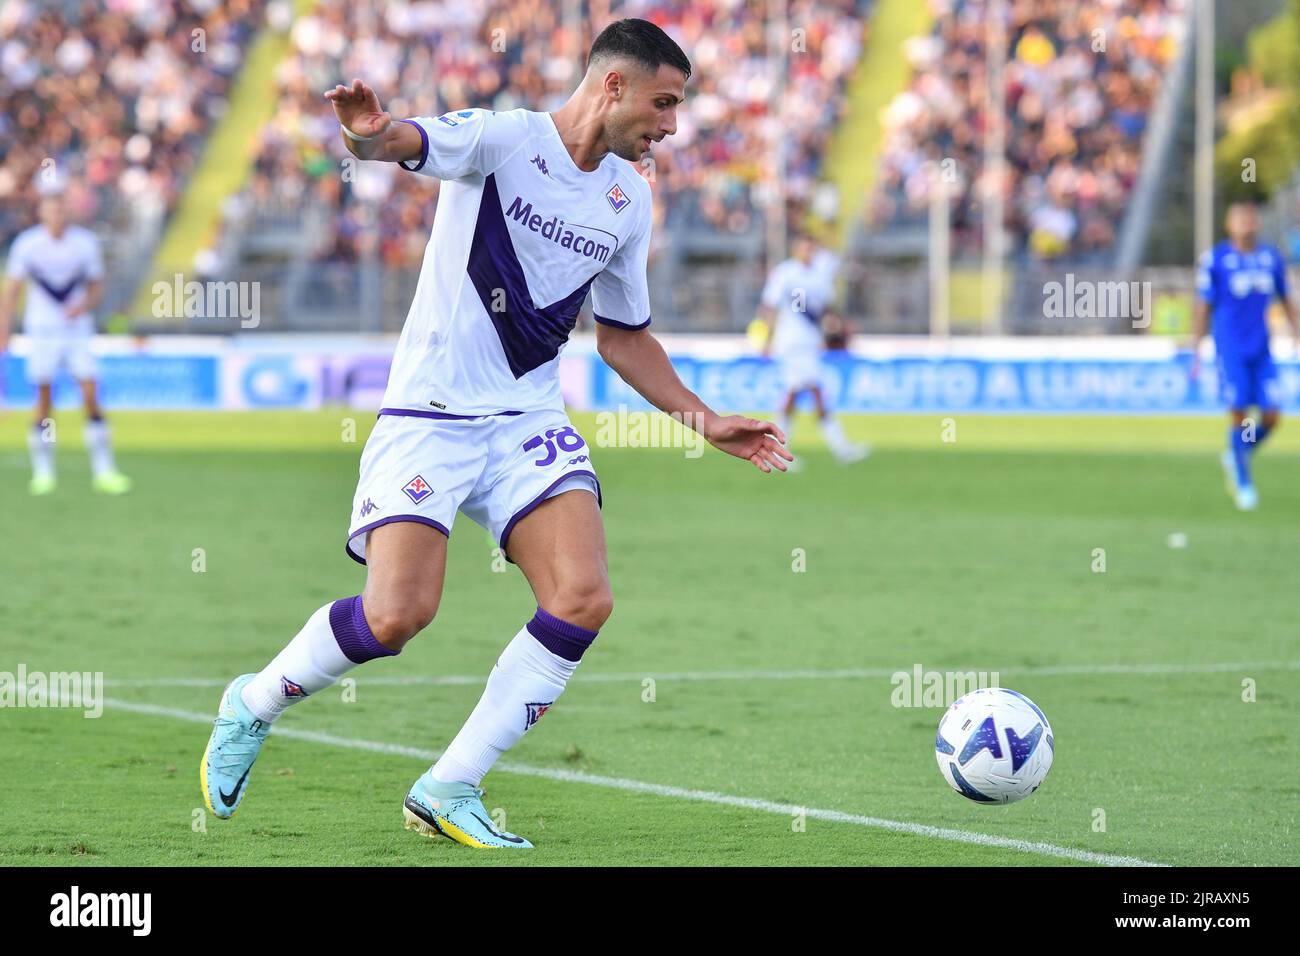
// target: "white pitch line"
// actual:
[[1050, 670], [677, 793]]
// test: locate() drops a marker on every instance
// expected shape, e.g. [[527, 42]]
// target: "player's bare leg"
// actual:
[[99, 444], [405, 562], [560, 547], [40, 444]]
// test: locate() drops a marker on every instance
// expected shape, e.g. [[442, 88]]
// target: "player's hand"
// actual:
[[759, 442], [357, 107]]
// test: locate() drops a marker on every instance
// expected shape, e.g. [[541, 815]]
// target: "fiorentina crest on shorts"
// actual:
[[417, 489], [535, 712], [617, 198], [290, 690]]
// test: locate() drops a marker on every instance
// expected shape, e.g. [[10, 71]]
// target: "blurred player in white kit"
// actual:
[[795, 298], [63, 269]]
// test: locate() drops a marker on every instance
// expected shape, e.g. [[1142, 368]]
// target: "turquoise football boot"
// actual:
[[237, 737], [455, 810]]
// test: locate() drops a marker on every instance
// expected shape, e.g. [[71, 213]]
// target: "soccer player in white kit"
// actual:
[[797, 293], [62, 267], [535, 210]]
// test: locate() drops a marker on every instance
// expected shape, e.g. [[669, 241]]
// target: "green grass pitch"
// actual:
[[769, 684]]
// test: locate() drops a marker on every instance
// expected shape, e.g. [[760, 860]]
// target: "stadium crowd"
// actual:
[[1082, 76], [110, 100], [428, 58]]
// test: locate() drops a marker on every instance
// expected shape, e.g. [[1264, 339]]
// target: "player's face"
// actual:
[[646, 113], [803, 249], [1242, 224], [51, 214]]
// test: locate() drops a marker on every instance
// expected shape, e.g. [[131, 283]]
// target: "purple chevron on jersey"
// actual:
[[530, 336], [59, 293]]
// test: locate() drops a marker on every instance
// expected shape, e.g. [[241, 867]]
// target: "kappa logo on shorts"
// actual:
[[367, 507], [535, 712], [290, 690], [417, 489]]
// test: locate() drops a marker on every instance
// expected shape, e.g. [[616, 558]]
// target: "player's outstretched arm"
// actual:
[[641, 361], [8, 303], [374, 134]]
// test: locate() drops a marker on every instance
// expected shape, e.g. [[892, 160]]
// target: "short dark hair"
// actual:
[[642, 41]]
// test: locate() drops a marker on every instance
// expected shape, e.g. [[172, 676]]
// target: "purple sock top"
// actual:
[[348, 622], [560, 637]]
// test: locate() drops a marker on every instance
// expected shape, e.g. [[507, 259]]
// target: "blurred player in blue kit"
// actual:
[[1236, 281]]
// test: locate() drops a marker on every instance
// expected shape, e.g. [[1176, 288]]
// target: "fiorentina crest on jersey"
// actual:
[[417, 489], [617, 198], [535, 712]]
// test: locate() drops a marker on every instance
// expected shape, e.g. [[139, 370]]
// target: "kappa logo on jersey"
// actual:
[[617, 198], [367, 507], [291, 690], [540, 164], [417, 489], [535, 712]]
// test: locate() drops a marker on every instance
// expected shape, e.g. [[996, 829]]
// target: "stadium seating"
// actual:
[[1081, 79], [112, 100]]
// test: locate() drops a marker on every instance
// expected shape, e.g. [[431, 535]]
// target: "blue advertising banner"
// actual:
[[958, 384], [145, 380]]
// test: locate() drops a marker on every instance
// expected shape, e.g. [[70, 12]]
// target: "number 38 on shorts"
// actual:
[[554, 442]]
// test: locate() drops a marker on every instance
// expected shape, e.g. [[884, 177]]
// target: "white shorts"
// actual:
[[50, 350], [495, 469], [801, 371]]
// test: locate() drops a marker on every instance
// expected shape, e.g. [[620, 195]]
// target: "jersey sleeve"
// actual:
[[464, 142], [94, 258], [1205, 277], [16, 263], [620, 295], [773, 288]]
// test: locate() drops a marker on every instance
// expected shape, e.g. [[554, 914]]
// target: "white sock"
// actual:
[[526, 681], [834, 435], [313, 660], [41, 451], [100, 446]]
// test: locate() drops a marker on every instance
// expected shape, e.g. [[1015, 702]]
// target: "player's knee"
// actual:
[[586, 602], [395, 623]]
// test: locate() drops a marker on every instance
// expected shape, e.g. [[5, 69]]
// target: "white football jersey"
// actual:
[[57, 271], [800, 294], [519, 237]]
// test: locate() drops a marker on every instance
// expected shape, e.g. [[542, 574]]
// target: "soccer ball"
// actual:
[[994, 746]]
